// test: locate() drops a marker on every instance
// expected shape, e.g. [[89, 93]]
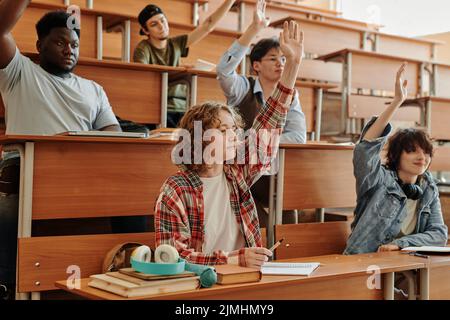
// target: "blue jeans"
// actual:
[[9, 207]]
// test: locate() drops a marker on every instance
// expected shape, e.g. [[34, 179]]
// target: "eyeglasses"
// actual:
[[281, 60]]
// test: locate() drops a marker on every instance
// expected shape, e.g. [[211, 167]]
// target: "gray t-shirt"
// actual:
[[39, 103]]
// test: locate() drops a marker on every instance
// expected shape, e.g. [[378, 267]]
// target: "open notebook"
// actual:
[[289, 268], [429, 249]]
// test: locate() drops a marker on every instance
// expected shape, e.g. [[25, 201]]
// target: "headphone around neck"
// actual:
[[412, 190]]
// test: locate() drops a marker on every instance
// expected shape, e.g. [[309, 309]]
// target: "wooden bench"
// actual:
[[44, 260], [90, 178], [310, 176], [311, 239]]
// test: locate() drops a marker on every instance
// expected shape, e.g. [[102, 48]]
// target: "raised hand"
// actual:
[[291, 41], [260, 21], [401, 91]]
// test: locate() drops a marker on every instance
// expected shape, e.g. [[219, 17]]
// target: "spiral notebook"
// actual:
[[289, 268]]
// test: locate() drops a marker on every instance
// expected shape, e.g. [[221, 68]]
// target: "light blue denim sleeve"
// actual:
[[234, 86], [435, 234], [367, 166], [295, 128]]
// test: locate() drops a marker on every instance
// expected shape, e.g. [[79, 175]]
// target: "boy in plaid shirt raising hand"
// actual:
[[206, 210]]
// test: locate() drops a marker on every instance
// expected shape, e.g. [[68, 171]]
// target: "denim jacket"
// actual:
[[381, 204]]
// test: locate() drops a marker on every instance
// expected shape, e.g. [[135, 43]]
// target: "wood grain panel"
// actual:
[[403, 47], [378, 73], [308, 104], [211, 48], [350, 288], [79, 180], [445, 206], [56, 254], [443, 81], [321, 38], [311, 239], [441, 159], [439, 283], [440, 120], [208, 89], [365, 107], [133, 94], [318, 179], [319, 70], [334, 289]]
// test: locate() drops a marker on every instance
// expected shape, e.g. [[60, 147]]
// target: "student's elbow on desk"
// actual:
[[114, 127]]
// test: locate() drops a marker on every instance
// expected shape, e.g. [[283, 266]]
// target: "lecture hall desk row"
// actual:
[[97, 43], [59, 181], [138, 92], [339, 277]]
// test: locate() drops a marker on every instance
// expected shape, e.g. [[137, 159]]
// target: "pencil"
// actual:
[[276, 245]]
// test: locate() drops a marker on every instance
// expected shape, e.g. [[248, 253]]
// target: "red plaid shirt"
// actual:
[[179, 212]]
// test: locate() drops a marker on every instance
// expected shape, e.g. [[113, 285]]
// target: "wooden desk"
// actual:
[[278, 10], [303, 180], [85, 177], [436, 277], [206, 87], [345, 35], [441, 80], [340, 277], [176, 11], [436, 115], [370, 70], [76, 177]]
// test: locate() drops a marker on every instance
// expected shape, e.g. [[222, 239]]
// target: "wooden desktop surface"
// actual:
[[340, 277]]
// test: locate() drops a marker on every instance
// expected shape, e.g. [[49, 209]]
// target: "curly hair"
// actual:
[[407, 140], [208, 114]]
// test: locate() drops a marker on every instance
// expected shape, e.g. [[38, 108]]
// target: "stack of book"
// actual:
[[129, 283]]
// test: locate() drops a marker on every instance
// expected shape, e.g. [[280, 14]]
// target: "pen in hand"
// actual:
[[276, 245]]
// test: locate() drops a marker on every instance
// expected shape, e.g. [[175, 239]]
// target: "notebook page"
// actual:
[[289, 268]]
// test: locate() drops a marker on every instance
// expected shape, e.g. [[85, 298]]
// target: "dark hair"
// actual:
[[262, 47], [146, 13], [51, 20], [407, 140]]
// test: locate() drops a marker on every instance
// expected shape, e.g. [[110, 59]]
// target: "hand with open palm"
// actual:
[[260, 21], [401, 91], [291, 42]]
